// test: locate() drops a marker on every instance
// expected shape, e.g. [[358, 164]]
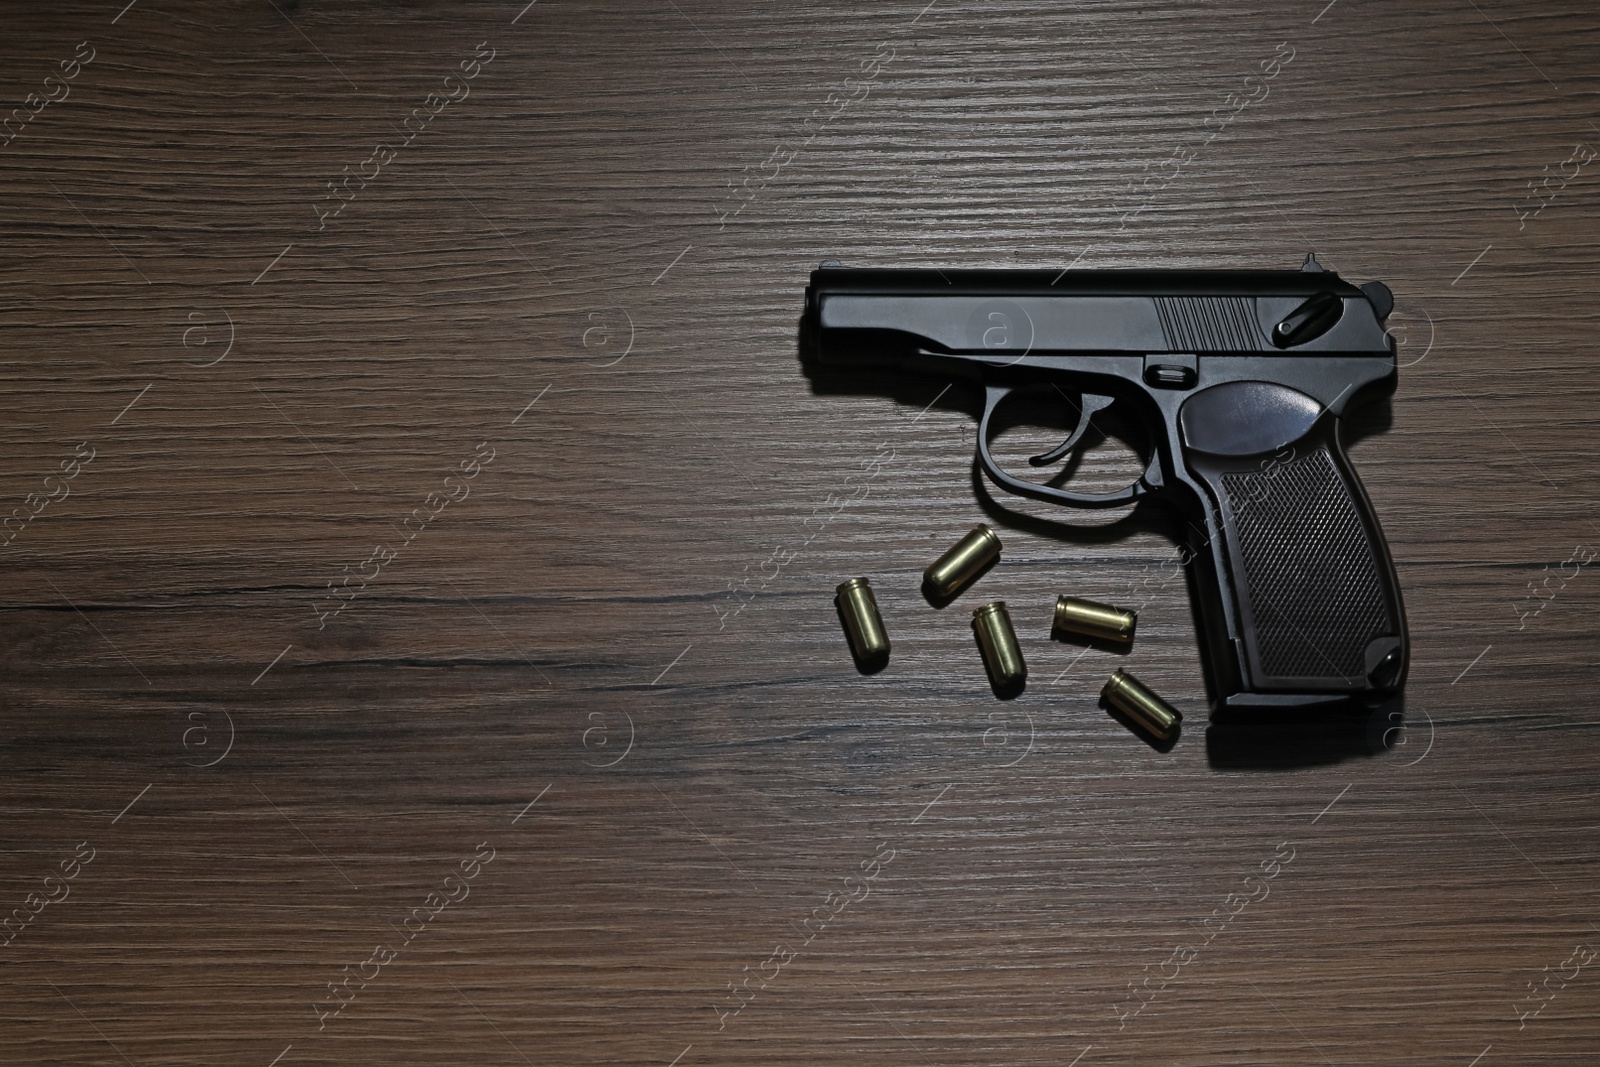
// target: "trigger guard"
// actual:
[[993, 394]]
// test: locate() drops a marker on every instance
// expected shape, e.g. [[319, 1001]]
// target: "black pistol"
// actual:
[[1241, 379]]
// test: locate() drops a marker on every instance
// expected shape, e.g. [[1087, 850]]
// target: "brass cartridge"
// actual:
[[1129, 696], [998, 642], [1099, 621], [962, 563], [859, 609]]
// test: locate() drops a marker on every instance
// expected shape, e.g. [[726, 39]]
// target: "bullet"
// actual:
[[1129, 696], [998, 642], [1099, 621], [868, 639], [962, 563]]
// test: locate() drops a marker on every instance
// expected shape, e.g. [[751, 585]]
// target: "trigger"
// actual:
[[1091, 404]]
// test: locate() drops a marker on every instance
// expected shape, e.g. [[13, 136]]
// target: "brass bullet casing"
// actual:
[[962, 563], [868, 639], [1099, 621], [1128, 695], [998, 642]]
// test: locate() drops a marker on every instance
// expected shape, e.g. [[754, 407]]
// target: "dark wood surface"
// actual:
[[615, 665]]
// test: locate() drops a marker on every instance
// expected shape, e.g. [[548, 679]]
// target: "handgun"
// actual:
[[1241, 379]]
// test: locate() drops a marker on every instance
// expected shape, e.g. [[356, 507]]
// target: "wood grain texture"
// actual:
[[615, 662]]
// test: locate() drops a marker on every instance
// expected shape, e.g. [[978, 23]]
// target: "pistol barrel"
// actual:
[[856, 315]]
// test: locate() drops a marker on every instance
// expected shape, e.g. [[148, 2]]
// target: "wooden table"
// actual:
[[418, 643]]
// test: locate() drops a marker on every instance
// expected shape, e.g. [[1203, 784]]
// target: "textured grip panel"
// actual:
[[1311, 572]]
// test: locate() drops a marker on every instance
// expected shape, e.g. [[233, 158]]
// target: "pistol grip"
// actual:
[[1300, 602]]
